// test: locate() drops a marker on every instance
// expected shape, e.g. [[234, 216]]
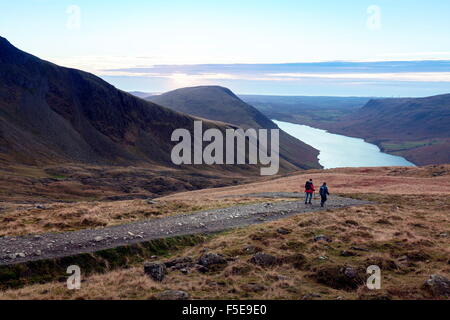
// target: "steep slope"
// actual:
[[418, 128], [50, 114], [218, 103]]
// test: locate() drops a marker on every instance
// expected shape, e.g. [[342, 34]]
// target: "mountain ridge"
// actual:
[[50, 113], [221, 104]]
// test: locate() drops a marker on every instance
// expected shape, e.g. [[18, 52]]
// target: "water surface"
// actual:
[[338, 151]]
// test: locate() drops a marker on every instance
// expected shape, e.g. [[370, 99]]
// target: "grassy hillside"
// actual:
[[405, 231]]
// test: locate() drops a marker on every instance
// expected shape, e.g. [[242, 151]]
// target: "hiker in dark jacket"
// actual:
[[309, 190], [323, 194]]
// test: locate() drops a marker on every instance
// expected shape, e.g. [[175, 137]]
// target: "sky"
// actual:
[[253, 47]]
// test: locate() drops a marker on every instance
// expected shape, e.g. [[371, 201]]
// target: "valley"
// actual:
[[87, 178], [414, 128]]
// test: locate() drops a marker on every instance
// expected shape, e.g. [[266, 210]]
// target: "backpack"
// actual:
[[323, 191], [308, 185]]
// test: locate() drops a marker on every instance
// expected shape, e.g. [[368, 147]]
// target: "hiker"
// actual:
[[323, 194], [309, 190]]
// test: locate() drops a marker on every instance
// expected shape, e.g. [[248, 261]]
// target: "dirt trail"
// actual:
[[15, 250]]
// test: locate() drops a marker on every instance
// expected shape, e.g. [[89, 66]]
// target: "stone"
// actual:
[[264, 260], [184, 271], [179, 263], [156, 270], [322, 238], [98, 239], [311, 296], [172, 295], [284, 231], [201, 269], [438, 286], [211, 259]]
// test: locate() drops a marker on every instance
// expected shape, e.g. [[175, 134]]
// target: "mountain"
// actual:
[[417, 128], [141, 94], [221, 104], [308, 110], [52, 114]]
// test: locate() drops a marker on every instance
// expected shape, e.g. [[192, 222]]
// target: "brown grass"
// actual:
[[398, 181], [406, 233], [414, 230], [23, 219]]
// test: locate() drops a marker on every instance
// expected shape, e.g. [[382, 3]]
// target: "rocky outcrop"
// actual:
[[438, 286], [155, 270]]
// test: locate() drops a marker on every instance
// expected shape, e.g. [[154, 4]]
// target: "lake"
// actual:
[[338, 151]]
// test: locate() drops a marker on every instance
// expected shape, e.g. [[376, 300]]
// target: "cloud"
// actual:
[[349, 72], [405, 76]]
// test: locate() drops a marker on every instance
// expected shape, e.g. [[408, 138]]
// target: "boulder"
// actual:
[[284, 231], [180, 263], [172, 295], [211, 259], [156, 270], [201, 269], [322, 238], [438, 286]]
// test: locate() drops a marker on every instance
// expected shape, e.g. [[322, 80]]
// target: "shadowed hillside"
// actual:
[[218, 103], [51, 114]]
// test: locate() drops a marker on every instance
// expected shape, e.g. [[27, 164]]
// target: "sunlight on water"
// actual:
[[337, 151]]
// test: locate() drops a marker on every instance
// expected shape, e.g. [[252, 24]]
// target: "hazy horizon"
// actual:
[[325, 48]]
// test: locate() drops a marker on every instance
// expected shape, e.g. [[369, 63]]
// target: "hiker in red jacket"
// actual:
[[309, 190]]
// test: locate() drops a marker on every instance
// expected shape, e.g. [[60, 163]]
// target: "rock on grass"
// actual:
[[156, 270], [340, 277], [211, 259], [438, 286], [211, 262], [172, 295]]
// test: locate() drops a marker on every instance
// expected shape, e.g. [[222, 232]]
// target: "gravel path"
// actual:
[[15, 250]]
